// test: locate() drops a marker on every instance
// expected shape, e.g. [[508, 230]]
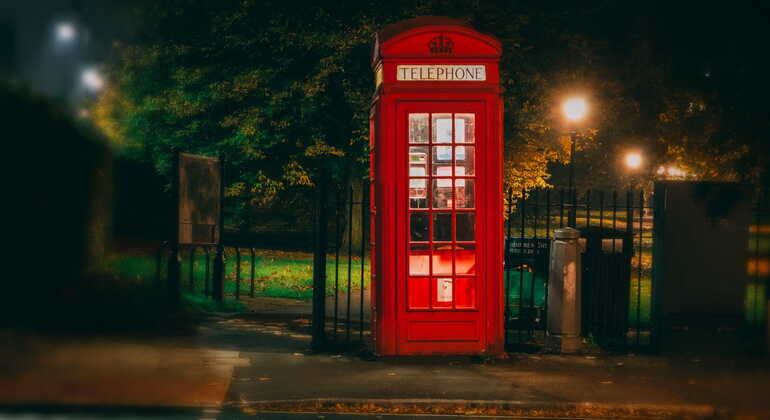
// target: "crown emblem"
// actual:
[[441, 45]]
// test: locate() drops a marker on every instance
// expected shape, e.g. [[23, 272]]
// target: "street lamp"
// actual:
[[633, 160], [92, 79], [65, 32], [575, 109]]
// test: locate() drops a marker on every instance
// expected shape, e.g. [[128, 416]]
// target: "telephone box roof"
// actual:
[[387, 39]]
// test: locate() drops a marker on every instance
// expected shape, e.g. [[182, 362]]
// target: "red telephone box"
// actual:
[[436, 156]]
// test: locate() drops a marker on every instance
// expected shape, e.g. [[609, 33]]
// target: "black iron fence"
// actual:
[[616, 235], [348, 310]]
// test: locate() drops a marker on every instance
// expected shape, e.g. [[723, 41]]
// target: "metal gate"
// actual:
[[616, 232]]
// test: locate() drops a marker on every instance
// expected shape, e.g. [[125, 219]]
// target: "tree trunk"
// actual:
[[352, 231]]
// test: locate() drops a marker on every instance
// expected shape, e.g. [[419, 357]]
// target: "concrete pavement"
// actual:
[[250, 364]]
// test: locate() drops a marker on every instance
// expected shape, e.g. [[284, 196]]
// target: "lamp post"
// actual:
[[574, 109]]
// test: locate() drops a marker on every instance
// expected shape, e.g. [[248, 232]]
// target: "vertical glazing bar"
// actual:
[[364, 193], [338, 245], [639, 266], [253, 270], [507, 263], [350, 261], [237, 273]]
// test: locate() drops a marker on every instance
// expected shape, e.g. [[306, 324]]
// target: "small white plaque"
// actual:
[[442, 73], [444, 289]]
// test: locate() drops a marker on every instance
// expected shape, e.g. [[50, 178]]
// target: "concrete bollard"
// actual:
[[564, 290]]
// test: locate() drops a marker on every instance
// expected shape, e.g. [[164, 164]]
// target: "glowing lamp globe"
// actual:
[[575, 109], [65, 32], [92, 79], [633, 160]]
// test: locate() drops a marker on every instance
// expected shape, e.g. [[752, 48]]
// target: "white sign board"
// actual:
[[444, 290], [442, 73]]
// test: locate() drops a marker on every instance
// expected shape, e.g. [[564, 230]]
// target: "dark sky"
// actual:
[[52, 67]]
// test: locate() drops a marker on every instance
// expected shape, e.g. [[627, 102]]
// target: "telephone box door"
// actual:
[[442, 195]]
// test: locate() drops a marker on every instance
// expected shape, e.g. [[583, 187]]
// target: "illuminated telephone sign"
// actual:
[[437, 190]]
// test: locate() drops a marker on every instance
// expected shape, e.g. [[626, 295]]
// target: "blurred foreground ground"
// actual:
[[236, 366]]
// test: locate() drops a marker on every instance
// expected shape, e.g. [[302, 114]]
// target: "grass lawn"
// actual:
[[276, 273], [289, 274]]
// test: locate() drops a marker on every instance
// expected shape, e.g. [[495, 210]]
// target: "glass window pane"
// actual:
[[418, 161], [442, 227], [418, 227], [442, 259], [466, 226], [442, 160], [465, 259], [465, 194], [418, 128], [418, 190], [419, 262], [442, 128], [465, 160], [465, 128], [419, 293], [444, 292], [442, 193], [465, 293]]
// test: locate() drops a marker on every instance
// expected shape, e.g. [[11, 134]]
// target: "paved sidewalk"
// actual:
[[240, 365]]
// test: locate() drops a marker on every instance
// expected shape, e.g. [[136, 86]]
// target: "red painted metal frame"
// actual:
[[440, 331]]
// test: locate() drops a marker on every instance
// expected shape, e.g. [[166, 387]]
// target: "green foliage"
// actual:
[[282, 88]]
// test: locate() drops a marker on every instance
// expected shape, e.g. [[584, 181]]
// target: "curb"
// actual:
[[484, 408]]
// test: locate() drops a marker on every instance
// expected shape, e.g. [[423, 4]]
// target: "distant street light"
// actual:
[[633, 160], [92, 79], [574, 109], [65, 32]]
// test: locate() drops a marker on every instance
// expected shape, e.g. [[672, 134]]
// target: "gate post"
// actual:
[[320, 225], [564, 291]]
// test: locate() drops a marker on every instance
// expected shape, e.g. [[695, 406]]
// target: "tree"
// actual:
[[283, 90]]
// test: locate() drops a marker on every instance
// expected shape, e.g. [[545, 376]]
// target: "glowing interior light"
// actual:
[[633, 160], [575, 108], [65, 32]]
